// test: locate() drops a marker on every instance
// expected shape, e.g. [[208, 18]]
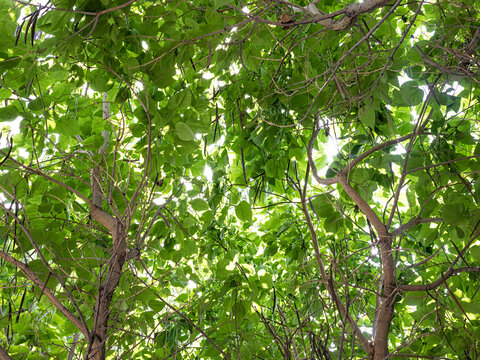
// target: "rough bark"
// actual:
[[385, 312], [99, 331]]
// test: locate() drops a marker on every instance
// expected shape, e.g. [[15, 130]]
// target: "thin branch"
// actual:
[[326, 280], [335, 66], [209, 339], [45, 262], [424, 260], [451, 161], [450, 272], [413, 222], [419, 126], [374, 149], [312, 162], [48, 177], [439, 281]]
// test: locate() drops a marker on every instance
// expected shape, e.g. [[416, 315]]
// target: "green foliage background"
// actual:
[[227, 264]]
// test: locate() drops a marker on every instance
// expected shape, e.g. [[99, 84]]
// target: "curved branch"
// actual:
[[320, 180], [48, 177], [374, 149], [103, 218], [363, 206], [9, 151], [350, 11]]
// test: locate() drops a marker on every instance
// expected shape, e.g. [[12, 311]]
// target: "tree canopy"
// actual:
[[275, 179]]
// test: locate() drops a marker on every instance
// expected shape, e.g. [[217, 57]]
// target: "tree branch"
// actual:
[[327, 281], [38, 282], [413, 222], [450, 272], [49, 178], [419, 126], [374, 149], [350, 13], [42, 258], [363, 206], [311, 162], [4, 355], [439, 281]]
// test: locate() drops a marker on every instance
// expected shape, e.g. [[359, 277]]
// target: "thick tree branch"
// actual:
[[349, 14], [103, 218], [101, 315], [114, 268], [363, 206], [385, 310]]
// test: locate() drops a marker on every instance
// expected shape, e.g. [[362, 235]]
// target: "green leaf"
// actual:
[[99, 81], [36, 104], [5, 93], [244, 211], [475, 251], [453, 213], [367, 117], [58, 73], [184, 131], [220, 3], [8, 113], [9, 63], [199, 204], [156, 305], [409, 94], [323, 205]]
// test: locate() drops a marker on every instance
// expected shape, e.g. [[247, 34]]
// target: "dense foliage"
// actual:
[[196, 179]]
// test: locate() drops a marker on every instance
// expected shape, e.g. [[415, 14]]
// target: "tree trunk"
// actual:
[[385, 315], [98, 339]]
